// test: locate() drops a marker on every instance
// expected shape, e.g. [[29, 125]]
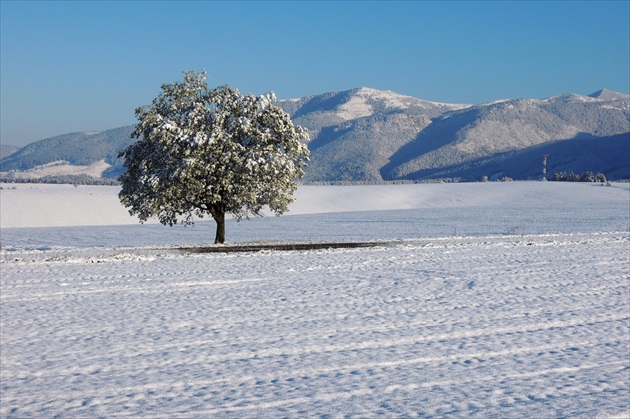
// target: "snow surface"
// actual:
[[60, 168], [357, 107], [359, 104], [488, 300]]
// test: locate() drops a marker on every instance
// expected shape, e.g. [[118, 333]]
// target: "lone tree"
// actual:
[[215, 152]]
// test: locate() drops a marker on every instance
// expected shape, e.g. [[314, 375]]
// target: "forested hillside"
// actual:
[[369, 135]]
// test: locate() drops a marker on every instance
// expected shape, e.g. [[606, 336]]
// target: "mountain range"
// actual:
[[369, 135]]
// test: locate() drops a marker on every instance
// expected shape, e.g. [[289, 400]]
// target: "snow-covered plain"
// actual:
[[483, 300]]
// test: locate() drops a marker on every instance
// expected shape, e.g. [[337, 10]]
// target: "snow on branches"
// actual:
[[216, 152]]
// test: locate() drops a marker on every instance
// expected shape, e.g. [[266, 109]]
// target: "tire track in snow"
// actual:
[[462, 358], [357, 346]]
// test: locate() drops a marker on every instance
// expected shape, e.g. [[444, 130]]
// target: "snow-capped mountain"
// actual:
[[606, 94], [373, 135], [579, 133], [71, 154], [334, 108]]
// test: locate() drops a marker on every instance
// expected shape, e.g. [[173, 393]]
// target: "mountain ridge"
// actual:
[[370, 135]]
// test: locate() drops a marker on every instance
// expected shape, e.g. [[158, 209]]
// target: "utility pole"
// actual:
[[544, 178]]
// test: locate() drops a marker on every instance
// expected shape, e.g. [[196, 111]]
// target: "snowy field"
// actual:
[[483, 300]]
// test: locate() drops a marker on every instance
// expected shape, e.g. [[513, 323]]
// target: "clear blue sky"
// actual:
[[85, 66]]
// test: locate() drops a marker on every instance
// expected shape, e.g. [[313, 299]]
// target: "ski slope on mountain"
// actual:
[[482, 300]]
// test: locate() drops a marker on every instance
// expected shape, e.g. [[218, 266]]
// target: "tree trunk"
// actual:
[[219, 217]]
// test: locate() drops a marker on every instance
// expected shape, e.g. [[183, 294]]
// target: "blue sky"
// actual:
[[85, 66]]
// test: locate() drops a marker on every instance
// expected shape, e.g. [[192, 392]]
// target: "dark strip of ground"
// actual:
[[231, 248]]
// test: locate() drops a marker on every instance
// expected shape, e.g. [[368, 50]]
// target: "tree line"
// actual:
[[61, 179], [584, 177]]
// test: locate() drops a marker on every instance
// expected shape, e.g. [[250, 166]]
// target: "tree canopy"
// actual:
[[211, 152]]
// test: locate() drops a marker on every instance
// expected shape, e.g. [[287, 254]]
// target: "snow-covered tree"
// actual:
[[211, 152]]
